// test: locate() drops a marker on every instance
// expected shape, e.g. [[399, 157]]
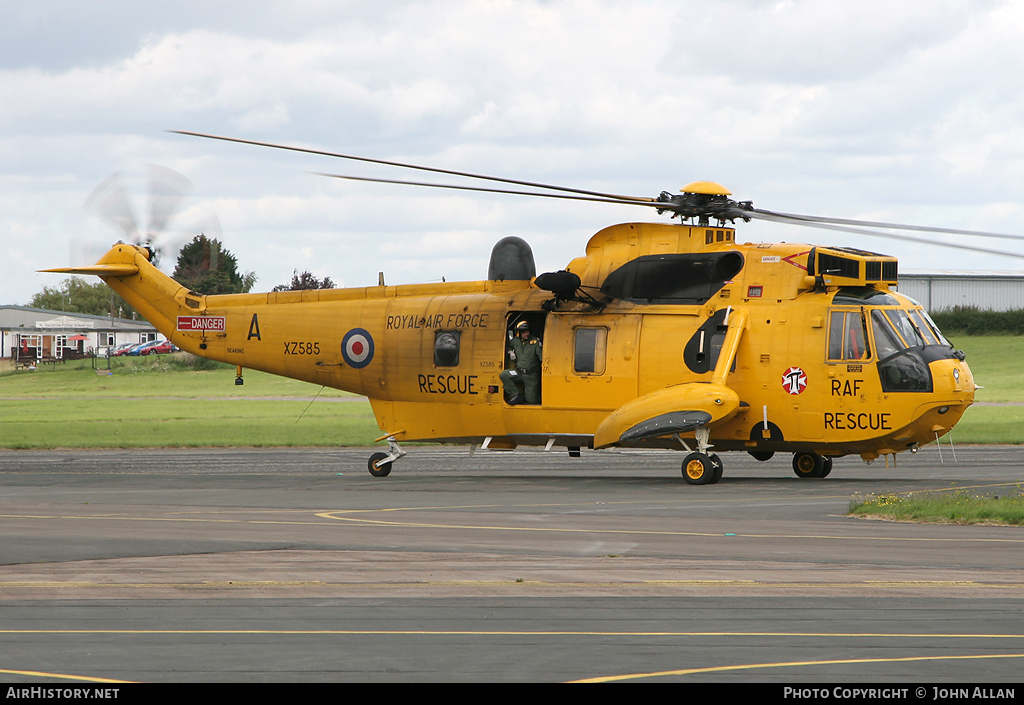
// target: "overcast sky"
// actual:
[[903, 111]]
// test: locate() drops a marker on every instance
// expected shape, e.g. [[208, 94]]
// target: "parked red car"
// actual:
[[161, 347]]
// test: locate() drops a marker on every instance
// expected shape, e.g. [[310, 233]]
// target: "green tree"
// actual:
[[75, 295], [205, 266], [306, 280]]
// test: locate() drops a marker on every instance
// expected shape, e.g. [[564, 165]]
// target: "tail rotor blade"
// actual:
[[167, 191], [111, 202]]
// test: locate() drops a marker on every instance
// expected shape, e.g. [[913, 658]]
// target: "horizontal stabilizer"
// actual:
[[666, 424], [98, 270]]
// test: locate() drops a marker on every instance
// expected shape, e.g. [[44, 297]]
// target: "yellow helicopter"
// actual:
[[660, 336]]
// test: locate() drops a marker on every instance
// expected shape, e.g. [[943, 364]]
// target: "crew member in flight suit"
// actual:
[[526, 352]]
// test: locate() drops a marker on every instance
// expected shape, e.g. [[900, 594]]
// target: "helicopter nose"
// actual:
[[953, 377]]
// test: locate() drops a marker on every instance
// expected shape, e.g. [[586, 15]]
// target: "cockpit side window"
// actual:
[[935, 329], [847, 338], [856, 337], [886, 341], [901, 322], [924, 329], [835, 336]]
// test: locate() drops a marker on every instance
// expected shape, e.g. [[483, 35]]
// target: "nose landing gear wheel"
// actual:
[[811, 465], [382, 471], [699, 469]]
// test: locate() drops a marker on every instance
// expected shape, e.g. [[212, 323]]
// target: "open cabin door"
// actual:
[[590, 361]]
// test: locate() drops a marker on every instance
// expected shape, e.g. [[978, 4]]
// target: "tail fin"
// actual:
[[127, 270]]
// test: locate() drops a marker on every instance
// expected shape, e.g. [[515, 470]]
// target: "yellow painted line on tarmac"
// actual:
[[336, 516], [319, 512], [205, 585], [789, 664], [954, 488], [548, 529], [280, 584], [169, 515], [333, 515], [65, 676], [171, 519], [517, 632]]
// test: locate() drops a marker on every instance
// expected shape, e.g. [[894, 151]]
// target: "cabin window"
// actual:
[[847, 336], [589, 350], [446, 348]]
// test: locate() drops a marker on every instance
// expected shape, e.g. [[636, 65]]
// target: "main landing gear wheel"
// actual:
[[700, 469], [827, 467], [384, 470], [717, 463], [811, 465]]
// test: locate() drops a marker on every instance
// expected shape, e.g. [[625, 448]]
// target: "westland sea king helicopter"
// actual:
[[661, 336]]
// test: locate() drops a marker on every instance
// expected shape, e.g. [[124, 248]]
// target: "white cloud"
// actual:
[[900, 111]]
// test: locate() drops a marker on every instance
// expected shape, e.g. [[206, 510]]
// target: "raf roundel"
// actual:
[[357, 348]]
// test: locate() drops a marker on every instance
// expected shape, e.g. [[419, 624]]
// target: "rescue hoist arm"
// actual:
[[681, 408]]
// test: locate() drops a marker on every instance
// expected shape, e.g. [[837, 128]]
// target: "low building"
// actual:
[[41, 334], [986, 290]]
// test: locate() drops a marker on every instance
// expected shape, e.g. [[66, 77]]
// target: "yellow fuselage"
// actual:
[[792, 385]]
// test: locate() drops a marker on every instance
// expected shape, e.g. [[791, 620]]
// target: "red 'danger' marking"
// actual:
[[201, 323]]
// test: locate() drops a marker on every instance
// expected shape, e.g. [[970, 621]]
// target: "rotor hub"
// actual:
[[704, 200]]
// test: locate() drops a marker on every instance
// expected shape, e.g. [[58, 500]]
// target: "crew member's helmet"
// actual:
[[522, 326]]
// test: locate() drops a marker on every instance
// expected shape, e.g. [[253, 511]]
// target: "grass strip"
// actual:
[[182, 423], [995, 363], [178, 375], [172, 401], [990, 425], [954, 507]]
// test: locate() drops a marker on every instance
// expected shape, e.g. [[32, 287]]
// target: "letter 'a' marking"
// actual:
[[254, 328]]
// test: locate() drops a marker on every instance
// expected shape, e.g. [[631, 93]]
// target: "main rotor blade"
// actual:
[[779, 218], [491, 190], [893, 226], [414, 166]]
